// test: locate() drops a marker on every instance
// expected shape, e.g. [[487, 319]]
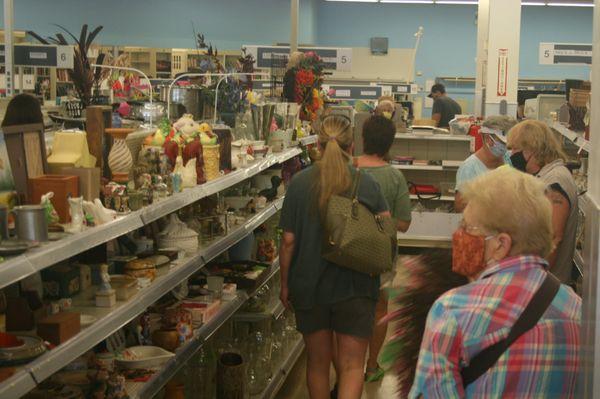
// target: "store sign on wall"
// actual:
[[405, 88], [502, 72], [340, 92], [338, 59], [41, 56], [565, 54]]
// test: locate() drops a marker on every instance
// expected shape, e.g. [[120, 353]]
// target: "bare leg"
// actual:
[[318, 362], [379, 332], [351, 363]]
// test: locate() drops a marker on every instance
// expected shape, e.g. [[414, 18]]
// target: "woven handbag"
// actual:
[[357, 239]]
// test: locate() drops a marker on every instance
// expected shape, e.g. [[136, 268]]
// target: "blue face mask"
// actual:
[[498, 149]]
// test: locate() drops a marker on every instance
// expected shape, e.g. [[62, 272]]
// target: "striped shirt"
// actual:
[[542, 363]]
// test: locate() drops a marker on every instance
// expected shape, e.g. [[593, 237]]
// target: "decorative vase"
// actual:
[[120, 160], [211, 161], [231, 376]]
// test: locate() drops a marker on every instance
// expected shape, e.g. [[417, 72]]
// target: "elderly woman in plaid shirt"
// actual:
[[501, 245]]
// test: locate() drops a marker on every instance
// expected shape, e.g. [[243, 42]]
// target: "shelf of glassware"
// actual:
[[150, 388], [280, 376], [22, 266]]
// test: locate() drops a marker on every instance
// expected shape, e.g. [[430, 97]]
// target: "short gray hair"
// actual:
[[499, 122]]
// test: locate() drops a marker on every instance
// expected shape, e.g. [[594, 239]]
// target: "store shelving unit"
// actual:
[[110, 320], [150, 388], [19, 267], [279, 378], [274, 309], [432, 224]]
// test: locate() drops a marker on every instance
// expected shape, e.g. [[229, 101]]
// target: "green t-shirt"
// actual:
[[313, 280], [394, 189]]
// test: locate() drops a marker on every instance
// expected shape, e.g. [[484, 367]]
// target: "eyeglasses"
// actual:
[[470, 229]]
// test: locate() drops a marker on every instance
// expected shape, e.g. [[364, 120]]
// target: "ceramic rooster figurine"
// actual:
[[271, 193]]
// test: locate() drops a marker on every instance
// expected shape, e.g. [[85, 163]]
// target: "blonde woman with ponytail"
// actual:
[[327, 298]]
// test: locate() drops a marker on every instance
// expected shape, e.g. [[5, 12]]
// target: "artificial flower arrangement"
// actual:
[[308, 83]]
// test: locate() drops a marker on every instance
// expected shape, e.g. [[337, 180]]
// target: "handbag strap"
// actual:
[[537, 306], [355, 185]]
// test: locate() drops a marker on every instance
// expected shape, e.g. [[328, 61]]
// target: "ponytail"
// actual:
[[335, 138]]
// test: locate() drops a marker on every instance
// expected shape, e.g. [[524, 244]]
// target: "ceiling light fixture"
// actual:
[[470, 2]]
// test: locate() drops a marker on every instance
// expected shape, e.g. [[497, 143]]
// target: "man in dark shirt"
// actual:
[[444, 108]]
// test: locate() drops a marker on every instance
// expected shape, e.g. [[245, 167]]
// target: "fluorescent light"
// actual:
[[570, 5], [356, 1], [408, 1], [529, 3], [456, 2]]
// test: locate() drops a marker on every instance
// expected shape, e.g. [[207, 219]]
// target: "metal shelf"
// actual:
[[576, 138], [150, 388], [432, 136], [440, 168], [17, 385], [279, 378], [111, 319], [17, 268], [275, 309], [185, 353], [308, 140], [442, 198]]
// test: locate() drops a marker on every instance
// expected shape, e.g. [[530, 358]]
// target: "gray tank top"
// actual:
[[558, 178]]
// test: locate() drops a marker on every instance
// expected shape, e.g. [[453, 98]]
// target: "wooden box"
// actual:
[[59, 327], [62, 186], [26, 148], [89, 181]]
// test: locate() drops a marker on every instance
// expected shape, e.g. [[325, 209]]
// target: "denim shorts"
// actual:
[[353, 317]]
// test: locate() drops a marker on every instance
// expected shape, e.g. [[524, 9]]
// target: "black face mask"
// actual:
[[518, 161]]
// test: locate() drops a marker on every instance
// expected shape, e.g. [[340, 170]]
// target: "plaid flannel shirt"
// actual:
[[542, 363]]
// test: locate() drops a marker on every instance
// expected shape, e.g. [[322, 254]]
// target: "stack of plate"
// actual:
[[22, 350]]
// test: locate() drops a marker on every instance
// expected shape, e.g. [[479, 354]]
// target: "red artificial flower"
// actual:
[[305, 77]]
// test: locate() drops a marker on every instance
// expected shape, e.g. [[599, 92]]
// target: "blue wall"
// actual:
[[448, 47], [449, 44], [158, 23]]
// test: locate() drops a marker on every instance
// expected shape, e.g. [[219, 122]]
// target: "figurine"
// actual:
[[105, 284], [176, 182], [187, 173], [186, 142], [77, 216], [98, 212], [46, 203], [271, 193]]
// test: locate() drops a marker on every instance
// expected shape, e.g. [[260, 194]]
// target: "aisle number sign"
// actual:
[[502, 72], [49, 56], [565, 54], [337, 59]]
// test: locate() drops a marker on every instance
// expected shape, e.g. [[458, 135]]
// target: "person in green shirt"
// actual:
[[327, 298], [378, 136]]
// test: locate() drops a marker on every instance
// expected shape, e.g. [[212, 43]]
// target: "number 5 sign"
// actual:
[[344, 59]]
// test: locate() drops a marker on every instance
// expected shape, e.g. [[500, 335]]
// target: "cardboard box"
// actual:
[[59, 327], [89, 181]]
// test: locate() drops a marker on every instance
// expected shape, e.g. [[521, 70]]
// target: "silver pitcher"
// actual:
[[262, 115], [31, 222]]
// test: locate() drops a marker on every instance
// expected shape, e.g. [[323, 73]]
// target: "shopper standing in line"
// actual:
[[536, 150], [491, 155], [327, 298], [444, 108], [378, 136], [505, 235]]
